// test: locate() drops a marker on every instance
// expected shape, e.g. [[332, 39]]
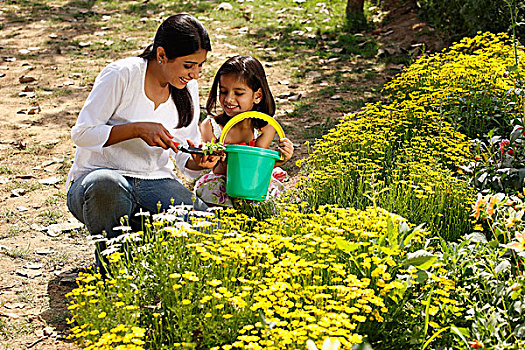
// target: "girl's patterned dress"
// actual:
[[211, 188]]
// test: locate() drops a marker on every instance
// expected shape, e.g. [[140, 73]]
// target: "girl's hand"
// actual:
[[202, 160], [286, 148]]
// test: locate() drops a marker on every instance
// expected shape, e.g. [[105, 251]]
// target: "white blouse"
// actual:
[[118, 97]]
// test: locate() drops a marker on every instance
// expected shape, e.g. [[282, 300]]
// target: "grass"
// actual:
[[49, 217], [282, 32], [19, 252]]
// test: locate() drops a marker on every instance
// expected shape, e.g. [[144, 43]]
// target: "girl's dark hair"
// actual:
[[250, 71], [179, 35]]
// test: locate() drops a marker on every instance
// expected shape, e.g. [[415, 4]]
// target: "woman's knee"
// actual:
[[104, 183]]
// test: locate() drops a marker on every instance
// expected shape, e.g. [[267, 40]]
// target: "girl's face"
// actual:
[[235, 96], [180, 70]]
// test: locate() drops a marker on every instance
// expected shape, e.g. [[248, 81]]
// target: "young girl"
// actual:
[[241, 86]]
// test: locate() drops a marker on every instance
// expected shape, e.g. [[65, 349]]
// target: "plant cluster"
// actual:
[[339, 261], [215, 148], [239, 284]]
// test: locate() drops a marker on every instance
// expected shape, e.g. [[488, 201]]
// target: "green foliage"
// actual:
[[243, 284], [459, 18]]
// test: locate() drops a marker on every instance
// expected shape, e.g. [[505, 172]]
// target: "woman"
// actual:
[[138, 110]]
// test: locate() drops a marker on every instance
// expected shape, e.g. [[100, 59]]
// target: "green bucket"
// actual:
[[249, 171]]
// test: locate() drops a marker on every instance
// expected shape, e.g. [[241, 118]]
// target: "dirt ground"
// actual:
[[42, 247]]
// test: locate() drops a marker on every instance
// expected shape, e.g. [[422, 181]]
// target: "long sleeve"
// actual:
[[92, 129]]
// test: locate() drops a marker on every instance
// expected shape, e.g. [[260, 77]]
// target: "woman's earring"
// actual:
[[160, 62]]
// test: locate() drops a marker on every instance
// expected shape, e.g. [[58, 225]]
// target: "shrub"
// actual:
[[272, 284], [401, 152], [459, 18]]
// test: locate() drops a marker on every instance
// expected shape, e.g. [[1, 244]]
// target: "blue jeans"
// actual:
[[100, 198]]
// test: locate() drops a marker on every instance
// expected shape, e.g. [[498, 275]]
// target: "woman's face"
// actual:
[[180, 70]]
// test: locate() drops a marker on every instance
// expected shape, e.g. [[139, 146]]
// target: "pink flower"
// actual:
[[504, 143]]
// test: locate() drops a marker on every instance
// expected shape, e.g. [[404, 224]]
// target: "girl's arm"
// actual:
[[207, 131], [265, 138]]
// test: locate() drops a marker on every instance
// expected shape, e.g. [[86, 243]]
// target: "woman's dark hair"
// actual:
[[179, 35], [250, 71]]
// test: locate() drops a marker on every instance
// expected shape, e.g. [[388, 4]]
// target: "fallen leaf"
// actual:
[[28, 273], [44, 251], [34, 110], [26, 79], [12, 306], [29, 94], [9, 314], [50, 180], [33, 266], [18, 192]]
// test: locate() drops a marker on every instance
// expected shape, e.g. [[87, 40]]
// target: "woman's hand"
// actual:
[[155, 134], [286, 148], [201, 161]]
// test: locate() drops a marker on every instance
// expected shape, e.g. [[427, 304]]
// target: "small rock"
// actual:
[[4, 67], [68, 277], [336, 97], [22, 208], [4, 180], [284, 82], [2, 75], [56, 229], [84, 43], [224, 6], [285, 94], [48, 330], [24, 51], [9, 59], [53, 36], [39, 333]]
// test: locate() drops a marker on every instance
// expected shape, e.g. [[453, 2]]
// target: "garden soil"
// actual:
[[42, 247]]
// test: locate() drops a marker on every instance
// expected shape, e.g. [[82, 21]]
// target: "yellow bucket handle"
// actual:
[[251, 114]]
